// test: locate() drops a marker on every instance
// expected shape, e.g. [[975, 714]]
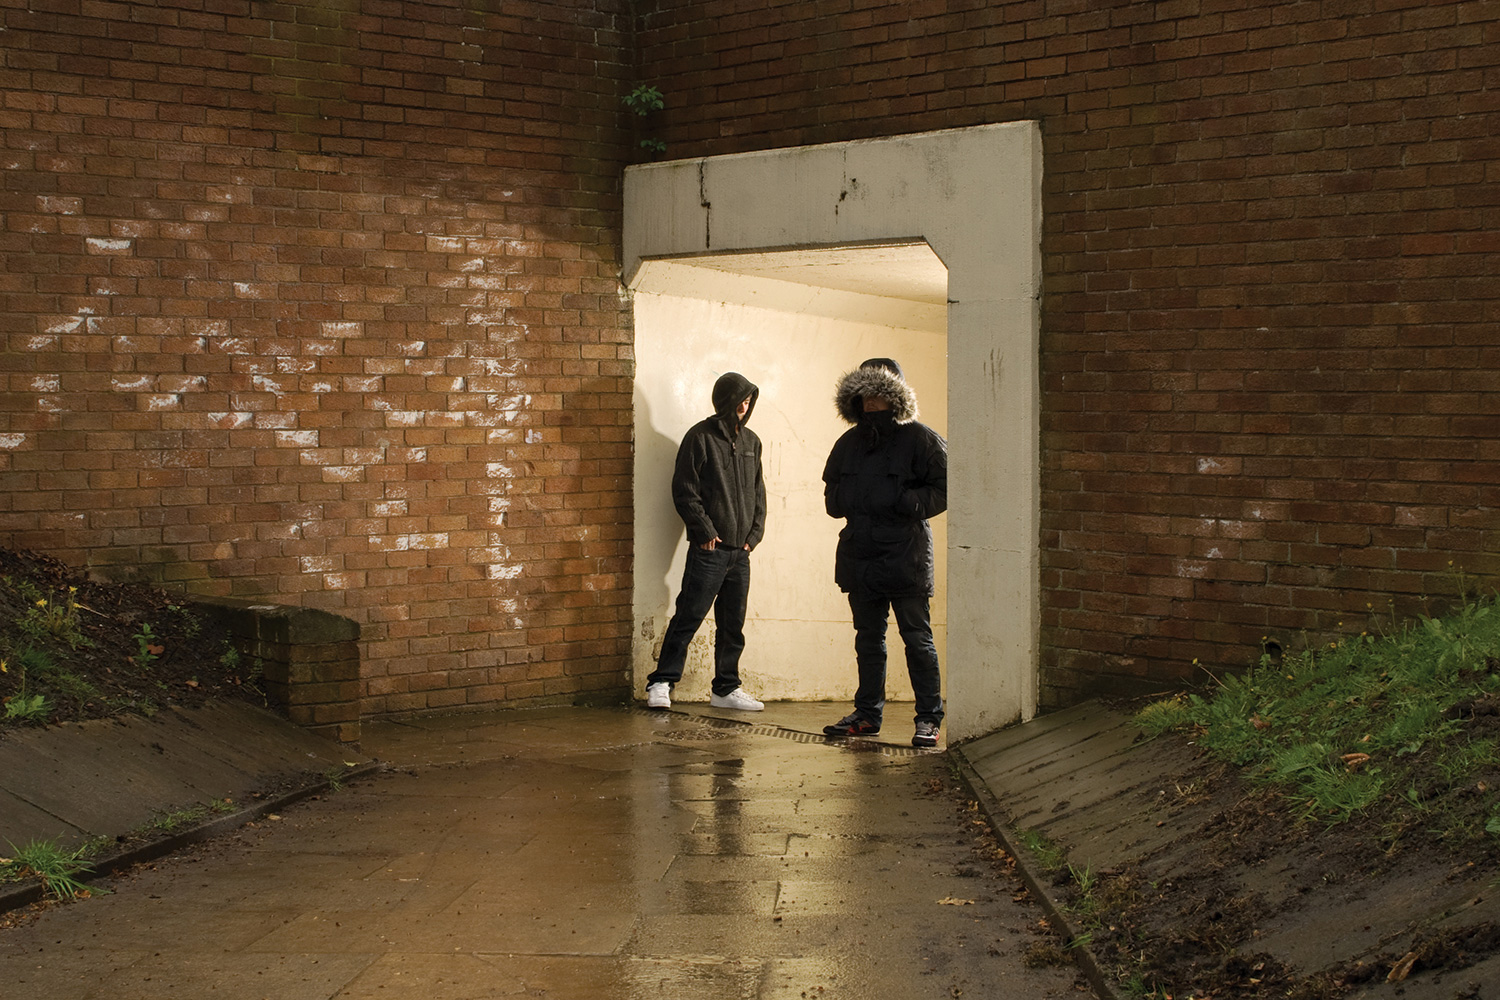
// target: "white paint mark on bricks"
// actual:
[[229, 421], [11, 442]]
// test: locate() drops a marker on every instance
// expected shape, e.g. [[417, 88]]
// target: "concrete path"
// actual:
[[573, 853]]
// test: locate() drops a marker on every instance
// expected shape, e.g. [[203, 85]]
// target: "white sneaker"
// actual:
[[659, 695], [736, 699]]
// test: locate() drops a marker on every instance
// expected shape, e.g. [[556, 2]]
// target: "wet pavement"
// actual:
[[589, 853]]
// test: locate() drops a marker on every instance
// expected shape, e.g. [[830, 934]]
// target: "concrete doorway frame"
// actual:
[[974, 196]]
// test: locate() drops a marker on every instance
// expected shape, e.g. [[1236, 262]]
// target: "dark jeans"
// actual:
[[718, 578], [914, 622]]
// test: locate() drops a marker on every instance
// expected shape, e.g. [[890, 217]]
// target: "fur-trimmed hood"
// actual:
[[876, 381]]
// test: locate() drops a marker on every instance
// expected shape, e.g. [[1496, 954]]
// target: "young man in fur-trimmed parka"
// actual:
[[886, 476]]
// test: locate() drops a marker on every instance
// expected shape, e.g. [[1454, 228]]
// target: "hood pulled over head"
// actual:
[[729, 391], [875, 378]]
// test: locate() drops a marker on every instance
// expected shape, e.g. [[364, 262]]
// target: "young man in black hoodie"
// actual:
[[720, 493], [886, 476]]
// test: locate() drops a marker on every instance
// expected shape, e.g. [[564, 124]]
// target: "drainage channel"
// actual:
[[750, 729]]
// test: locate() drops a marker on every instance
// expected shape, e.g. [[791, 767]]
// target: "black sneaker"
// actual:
[[926, 734], [852, 724]]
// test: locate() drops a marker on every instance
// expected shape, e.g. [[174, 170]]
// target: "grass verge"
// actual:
[[1403, 724]]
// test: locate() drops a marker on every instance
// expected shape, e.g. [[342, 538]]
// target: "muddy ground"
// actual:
[[1207, 914], [95, 650]]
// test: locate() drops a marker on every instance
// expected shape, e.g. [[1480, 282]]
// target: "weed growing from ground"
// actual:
[[1051, 857], [49, 617], [57, 867], [23, 707], [172, 820], [1399, 720], [147, 649]]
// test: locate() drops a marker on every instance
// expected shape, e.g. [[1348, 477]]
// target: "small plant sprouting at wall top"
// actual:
[[643, 100]]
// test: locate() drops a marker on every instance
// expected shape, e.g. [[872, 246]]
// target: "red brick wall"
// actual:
[[317, 302], [1271, 319]]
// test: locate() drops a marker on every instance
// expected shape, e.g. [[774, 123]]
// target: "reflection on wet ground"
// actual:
[[589, 853]]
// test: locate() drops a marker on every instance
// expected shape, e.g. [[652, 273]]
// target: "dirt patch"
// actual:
[[1216, 911], [95, 650]]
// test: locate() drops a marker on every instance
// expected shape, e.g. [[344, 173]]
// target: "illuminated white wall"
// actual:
[[799, 640]]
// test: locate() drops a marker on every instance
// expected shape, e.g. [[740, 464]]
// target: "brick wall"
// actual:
[[317, 302], [1270, 353]]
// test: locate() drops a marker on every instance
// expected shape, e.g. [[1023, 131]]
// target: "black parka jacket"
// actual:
[[717, 484], [886, 486]]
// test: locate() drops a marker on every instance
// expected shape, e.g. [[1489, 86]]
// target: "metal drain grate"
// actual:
[[750, 729]]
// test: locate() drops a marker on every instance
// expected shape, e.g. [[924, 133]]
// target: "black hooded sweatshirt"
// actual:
[[717, 485], [886, 476]]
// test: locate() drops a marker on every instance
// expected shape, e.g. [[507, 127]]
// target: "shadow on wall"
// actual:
[[658, 561]]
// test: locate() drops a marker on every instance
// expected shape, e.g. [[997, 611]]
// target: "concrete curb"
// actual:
[[1036, 881], [15, 897]]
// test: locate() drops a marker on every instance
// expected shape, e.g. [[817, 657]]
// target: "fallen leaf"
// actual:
[[1258, 722], [1402, 969], [1353, 760], [950, 901]]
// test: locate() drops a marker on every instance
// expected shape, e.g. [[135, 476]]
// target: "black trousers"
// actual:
[[914, 622], [717, 578]]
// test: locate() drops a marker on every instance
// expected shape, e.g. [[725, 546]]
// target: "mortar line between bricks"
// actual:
[[1039, 886], [15, 898]]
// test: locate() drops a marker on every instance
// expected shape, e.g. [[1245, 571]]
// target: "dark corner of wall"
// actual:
[[309, 660]]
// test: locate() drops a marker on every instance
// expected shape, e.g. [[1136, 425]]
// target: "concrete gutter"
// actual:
[[1036, 880], [24, 894]]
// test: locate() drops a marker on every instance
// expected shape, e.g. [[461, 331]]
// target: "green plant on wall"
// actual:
[[644, 100]]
